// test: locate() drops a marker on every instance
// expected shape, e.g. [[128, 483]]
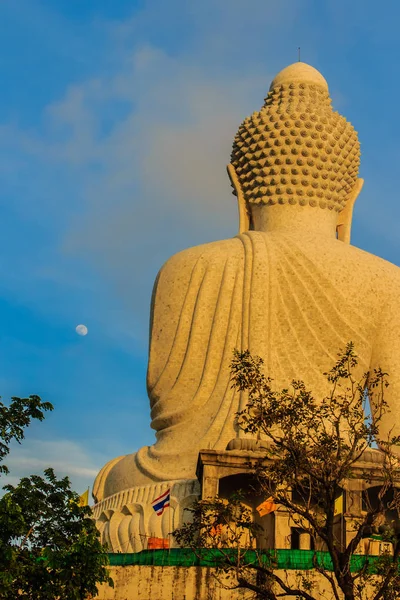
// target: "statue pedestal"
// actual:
[[215, 465], [127, 520], [221, 473]]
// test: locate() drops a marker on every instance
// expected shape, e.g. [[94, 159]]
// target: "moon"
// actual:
[[81, 330]]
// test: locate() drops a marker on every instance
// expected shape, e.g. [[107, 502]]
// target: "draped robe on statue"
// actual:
[[280, 295], [287, 290]]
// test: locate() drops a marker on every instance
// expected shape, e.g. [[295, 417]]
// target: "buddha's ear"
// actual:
[[244, 217], [343, 227]]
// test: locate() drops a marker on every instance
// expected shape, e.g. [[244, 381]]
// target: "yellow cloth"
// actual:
[[84, 498], [267, 507], [338, 505]]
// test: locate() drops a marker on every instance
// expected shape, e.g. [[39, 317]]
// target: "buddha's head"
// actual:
[[296, 150]]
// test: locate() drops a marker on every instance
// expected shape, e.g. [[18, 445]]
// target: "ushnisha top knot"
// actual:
[[296, 149], [299, 72]]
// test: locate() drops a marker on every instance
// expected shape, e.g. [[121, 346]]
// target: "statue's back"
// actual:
[[289, 288]]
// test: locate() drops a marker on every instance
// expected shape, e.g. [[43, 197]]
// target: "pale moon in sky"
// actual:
[[81, 329]]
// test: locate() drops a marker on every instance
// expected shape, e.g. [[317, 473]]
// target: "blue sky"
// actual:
[[116, 121]]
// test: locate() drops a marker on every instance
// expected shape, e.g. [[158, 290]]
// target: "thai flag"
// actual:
[[161, 503]]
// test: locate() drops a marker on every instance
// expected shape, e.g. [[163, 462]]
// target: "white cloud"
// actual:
[[67, 458], [132, 160]]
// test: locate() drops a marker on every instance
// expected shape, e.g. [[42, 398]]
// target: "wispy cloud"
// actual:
[[67, 458], [139, 150]]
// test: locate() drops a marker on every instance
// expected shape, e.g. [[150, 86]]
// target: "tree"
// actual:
[[49, 545], [15, 418], [311, 450]]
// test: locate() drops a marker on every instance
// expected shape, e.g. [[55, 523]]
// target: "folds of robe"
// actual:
[[258, 291], [285, 298]]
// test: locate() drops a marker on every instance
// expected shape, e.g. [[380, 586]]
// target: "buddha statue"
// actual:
[[289, 287]]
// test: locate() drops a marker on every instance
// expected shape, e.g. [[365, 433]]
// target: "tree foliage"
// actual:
[[15, 418], [49, 545], [310, 450]]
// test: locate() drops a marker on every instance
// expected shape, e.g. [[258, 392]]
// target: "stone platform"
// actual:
[[184, 583]]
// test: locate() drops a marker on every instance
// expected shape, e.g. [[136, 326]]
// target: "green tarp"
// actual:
[[279, 559]]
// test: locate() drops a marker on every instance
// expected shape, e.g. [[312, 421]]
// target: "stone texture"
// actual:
[[289, 288], [183, 583]]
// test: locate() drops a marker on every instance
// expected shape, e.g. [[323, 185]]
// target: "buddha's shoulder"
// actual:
[[372, 263], [372, 273], [213, 252], [337, 255]]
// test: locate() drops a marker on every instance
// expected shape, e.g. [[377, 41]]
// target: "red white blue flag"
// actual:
[[161, 503]]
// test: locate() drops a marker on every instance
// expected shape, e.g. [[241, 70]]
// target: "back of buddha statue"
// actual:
[[308, 297], [294, 168], [293, 297], [290, 287]]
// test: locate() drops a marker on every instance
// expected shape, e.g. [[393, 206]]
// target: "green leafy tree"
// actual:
[[49, 545], [15, 418], [308, 452]]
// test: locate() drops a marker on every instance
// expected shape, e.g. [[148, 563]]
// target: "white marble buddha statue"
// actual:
[[289, 287]]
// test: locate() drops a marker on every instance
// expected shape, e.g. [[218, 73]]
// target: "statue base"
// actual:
[[127, 520], [223, 473]]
